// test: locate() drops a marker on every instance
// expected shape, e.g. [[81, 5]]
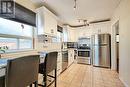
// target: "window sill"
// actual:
[[17, 51]]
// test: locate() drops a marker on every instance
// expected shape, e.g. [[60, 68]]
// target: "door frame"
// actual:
[[113, 46]]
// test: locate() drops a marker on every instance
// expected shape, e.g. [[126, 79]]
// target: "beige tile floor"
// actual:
[[79, 75]]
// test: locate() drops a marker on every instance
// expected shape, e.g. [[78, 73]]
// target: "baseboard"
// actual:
[[70, 64], [126, 85]]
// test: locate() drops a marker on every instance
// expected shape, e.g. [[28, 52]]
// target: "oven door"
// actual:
[[83, 53], [84, 57]]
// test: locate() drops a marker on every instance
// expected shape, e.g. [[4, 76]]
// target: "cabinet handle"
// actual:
[[52, 31]]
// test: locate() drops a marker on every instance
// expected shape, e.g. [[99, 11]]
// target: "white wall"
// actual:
[[98, 28], [122, 14], [28, 4], [38, 46]]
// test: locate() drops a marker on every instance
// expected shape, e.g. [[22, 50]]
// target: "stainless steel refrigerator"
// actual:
[[101, 54]]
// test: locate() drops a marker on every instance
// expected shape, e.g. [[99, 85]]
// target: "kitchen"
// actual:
[[72, 35]]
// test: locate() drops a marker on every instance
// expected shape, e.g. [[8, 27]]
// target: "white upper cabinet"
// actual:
[[46, 22], [72, 34], [65, 34], [69, 34]]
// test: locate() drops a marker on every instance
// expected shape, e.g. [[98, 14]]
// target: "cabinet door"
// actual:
[[71, 35], [71, 56], [59, 63], [40, 21], [65, 35], [50, 24], [46, 22]]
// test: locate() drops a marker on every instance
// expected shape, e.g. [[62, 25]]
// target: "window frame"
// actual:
[[18, 37]]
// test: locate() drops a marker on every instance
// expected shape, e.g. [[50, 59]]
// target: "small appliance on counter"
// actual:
[[68, 45], [72, 45]]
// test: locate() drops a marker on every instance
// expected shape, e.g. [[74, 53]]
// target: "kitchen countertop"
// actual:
[[3, 61]]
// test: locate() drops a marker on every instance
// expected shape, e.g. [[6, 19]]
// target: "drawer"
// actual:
[[84, 61]]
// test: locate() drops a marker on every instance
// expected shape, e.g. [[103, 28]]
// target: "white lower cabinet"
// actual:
[[70, 56], [59, 63]]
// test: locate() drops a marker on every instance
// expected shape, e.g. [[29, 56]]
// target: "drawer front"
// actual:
[[84, 61], [59, 58]]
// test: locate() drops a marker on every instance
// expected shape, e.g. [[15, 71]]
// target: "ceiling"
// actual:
[[90, 10]]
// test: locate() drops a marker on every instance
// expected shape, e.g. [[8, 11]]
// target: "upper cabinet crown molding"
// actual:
[[46, 22]]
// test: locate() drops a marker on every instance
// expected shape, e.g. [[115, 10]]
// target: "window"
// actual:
[[11, 43], [15, 36], [25, 44], [15, 28]]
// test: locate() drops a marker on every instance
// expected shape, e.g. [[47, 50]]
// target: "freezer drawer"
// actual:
[[102, 56]]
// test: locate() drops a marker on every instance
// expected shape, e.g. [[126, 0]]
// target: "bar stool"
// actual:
[[22, 72], [49, 65], [2, 82]]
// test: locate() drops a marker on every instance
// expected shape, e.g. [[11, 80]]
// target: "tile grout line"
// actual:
[[83, 78], [74, 75]]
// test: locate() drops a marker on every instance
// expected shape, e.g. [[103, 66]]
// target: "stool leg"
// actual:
[[45, 79], [31, 85], [55, 77], [36, 84]]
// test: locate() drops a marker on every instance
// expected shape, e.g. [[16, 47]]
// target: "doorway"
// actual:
[[117, 44]]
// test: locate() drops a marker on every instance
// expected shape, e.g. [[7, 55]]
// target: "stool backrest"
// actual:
[[51, 61], [22, 71]]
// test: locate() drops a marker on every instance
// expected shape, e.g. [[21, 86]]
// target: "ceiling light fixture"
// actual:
[[86, 23], [75, 4]]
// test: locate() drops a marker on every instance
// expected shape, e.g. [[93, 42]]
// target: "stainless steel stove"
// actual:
[[84, 51]]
